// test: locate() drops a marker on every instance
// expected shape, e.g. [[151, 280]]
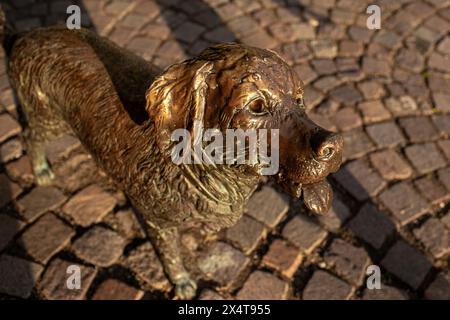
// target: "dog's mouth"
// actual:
[[317, 196]]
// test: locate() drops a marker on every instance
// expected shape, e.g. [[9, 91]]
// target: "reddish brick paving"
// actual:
[[387, 91]]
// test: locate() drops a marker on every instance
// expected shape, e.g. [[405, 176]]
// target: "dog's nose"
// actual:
[[326, 145]]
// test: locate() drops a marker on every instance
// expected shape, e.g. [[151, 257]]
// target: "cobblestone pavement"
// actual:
[[387, 91]]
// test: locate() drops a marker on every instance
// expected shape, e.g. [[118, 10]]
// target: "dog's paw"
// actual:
[[44, 177], [185, 288]]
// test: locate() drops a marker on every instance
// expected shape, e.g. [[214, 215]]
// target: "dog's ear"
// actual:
[[177, 99]]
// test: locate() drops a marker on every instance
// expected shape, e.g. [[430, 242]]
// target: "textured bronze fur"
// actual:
[[123, 111]]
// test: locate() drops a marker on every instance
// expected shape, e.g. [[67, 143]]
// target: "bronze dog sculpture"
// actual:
[[123, 110]]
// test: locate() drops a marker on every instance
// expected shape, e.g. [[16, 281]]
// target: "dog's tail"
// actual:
[[7, 34]]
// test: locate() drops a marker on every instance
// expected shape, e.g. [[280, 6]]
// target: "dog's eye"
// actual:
[[257, 107], [300, 102]]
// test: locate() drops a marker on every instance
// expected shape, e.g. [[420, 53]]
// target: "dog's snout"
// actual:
[[326, 145]]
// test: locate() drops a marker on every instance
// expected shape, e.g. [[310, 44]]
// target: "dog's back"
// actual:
[[76, 80]]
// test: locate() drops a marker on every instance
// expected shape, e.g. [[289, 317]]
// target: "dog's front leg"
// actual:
[[166, 242]]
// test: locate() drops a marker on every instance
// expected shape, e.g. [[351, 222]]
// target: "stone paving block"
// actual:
[[243, 25], [126, 223], [391, 40], [439, 62], [442, 123], [61, 147], [8, 190], [116, 7], [324, 67], [324, 286], [265, 17], [373, 111], [349, 70], [432, 189], [347, 119], [223, 264], [346, 94], [386, 134], [146, 47], [336, 217], [446, 220], [374, 66], [54, 283], [410, 59], [360, 180], [407, 263], [324, 48], [439, 289], [372, 226], [18, 276], [21, 171], [304, 233], [348, 48], [40, 200], [444, 46], [340, 16], [322, 121], [441, 101], [419, 129], [359, 34], [283, 257], [76, 173], [261, 39], [305, 31], [112, 289], [134, 20], [425, 157], [402, 106], [328, 107], [435, 236], [8, 127], [89, 206], [228, 10], [218, 34], [312, 97], [391, 165], [305, 72], [404, 202], [46, 237], [348, 261], [8, 102], [188, 31], [263, 286], [357, 144], [9, 227], [296, 52], [246, 234], [144, 262], [10, 150], [444, 177], [99, 246], [267, 206], [385, 293], [327, 83], [438, 82]]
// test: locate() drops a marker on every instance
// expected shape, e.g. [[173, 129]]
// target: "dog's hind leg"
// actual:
[[166, 242], [36, 151], [43, 125]]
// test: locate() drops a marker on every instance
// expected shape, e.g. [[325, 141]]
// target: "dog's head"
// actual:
[[231, 86]]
